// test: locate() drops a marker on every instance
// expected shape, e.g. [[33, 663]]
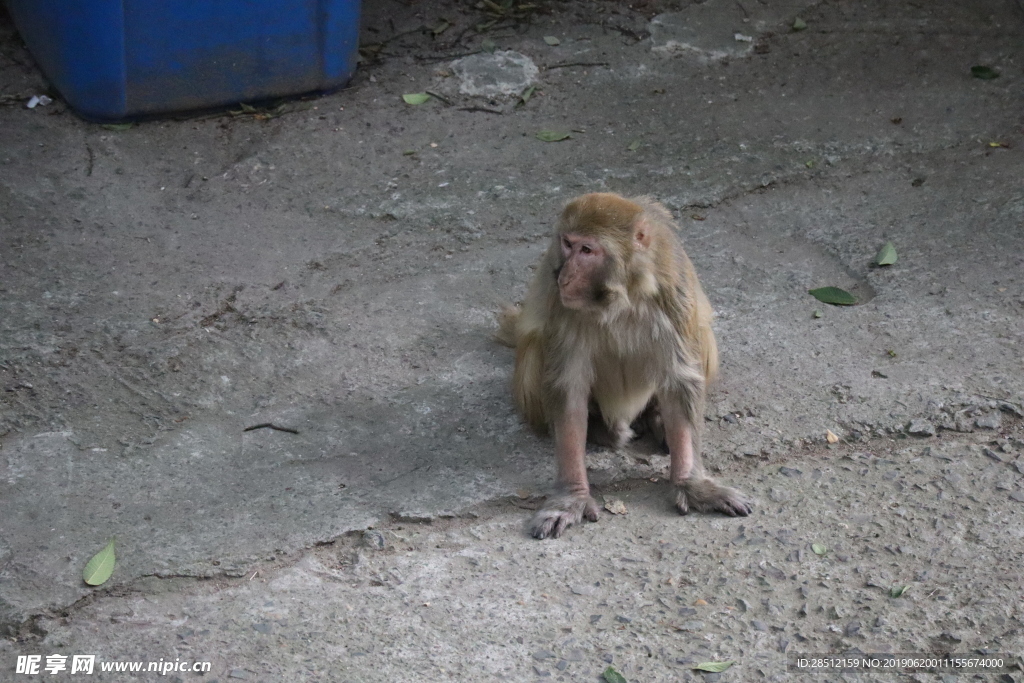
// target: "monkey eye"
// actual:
[[585, 249]]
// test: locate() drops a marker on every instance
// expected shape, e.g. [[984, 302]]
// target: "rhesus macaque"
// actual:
[[615, 332]]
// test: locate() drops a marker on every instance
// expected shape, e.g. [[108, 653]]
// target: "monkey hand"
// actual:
[[562, 511], [705, 495]]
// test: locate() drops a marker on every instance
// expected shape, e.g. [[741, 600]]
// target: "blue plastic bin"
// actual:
[[119, 59]]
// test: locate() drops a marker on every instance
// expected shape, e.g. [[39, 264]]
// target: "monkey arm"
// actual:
[[572, 504], [570, 426]]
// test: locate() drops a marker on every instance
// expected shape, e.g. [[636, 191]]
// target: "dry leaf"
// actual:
[[830, 436]]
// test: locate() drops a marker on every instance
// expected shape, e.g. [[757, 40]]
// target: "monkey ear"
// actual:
[[641, 233]]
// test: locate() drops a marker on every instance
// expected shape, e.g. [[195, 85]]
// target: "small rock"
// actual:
[[541, 655], [852, 629], [623, 619], [742, 604], [237, 673], [921, 427], [1018, 465], [790, 472], [583, 589], [262, 628], [543, 673], [374, 539], [992, 454], [783, 645], [991, 420], [608, 658], [689, 611], [594, 618], [1017, 496], [1008, 407], [730, 418], [562, 664], [758, 625], [692, 626]]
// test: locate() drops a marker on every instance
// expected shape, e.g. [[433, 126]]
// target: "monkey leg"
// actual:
[[573, 503], [694, 489]]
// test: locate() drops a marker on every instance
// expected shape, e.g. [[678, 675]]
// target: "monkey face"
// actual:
[[581, 277]]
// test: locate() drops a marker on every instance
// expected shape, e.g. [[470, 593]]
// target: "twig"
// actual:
[[483, 109], [565, 64], [439, 97], [270, 425]]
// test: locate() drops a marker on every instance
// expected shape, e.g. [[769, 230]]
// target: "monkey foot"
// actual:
[[561, 512], [705, 495]]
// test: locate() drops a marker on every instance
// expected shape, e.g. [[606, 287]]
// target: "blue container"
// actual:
[[118, 59]]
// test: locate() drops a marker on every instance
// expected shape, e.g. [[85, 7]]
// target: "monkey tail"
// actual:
[[507, 333], [704, 337], [527, 380]]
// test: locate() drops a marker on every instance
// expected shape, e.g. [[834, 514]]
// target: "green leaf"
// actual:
[[809, 163], [415, 97], [985, 73], [610, 675], [552, 40], [488, 45], [713, 667], [897, 591], [118, 126], [100, 567], [819, 549], [634, 146], [817, 313], [799, 24], [886, 255], [441, 28], [551, 135], [527, 94], [833, 295]]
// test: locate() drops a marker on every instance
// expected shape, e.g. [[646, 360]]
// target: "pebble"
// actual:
[[991, 420], [920, 427], [992, 454], [790, 472], [543, 673], [374, 539], [541, 655]]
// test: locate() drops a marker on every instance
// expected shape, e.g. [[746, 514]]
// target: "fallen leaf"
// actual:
[[701, 601], [713, 667], [551, 135], [441, 28], [615, 506], [415, 97], [819, 549], [833, 295], [552, 40], [117, 126], [897, 591], [985, 73], [527, 94], [817, 313], [488, 45], [809, 163], [799, 24], [830, 436], [610, 675], [101, 566], [634, 146], [886, 255]]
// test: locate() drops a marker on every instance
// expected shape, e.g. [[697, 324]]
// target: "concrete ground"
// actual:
[[333, 267]]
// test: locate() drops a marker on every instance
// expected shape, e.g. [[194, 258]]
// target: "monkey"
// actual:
[[615, 332]]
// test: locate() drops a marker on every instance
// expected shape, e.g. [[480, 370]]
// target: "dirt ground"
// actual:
[[332, 265]]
